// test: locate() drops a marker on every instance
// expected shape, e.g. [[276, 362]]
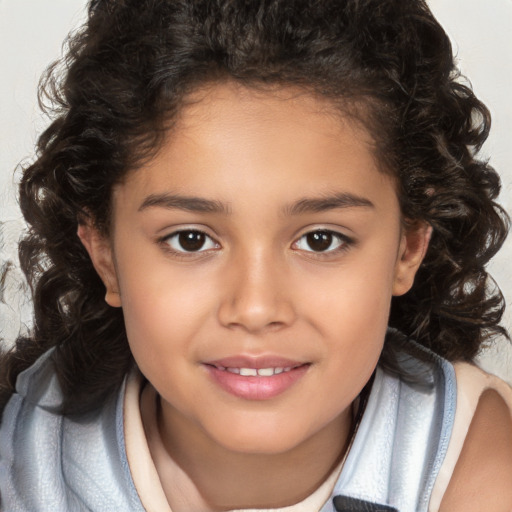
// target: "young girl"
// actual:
[[258, 235]]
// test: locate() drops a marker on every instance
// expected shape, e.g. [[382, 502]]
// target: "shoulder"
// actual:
[[60, 462], [37, 396], [30, 434], [483, 471]]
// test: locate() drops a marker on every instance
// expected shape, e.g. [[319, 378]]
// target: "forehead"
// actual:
[[267, 109], [229, 134], [264, 103]]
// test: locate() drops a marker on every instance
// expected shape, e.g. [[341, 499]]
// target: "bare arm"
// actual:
[[482, 479]]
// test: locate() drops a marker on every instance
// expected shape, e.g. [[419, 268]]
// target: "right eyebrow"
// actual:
[[326, 203], [187, 203]]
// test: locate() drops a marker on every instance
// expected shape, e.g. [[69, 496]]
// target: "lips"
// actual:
[[256, 378], [256, 372], [258, 362]]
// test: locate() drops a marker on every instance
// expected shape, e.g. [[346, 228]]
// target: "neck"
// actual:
[[227, 479]]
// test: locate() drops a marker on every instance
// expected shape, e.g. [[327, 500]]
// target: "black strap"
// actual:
[[345, 504]]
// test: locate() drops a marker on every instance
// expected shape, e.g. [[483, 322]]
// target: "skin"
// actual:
[[482, 476], [257, 287]]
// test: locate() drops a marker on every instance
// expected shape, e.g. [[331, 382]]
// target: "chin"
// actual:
[[261, 446], [260, 438]]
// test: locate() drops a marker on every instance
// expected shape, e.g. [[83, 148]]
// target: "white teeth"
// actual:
[[248, 372], [254, 372]]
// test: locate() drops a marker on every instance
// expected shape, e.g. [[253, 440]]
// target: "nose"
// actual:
[[256, 296]]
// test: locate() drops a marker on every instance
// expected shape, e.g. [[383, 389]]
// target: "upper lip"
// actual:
[[257, 362]]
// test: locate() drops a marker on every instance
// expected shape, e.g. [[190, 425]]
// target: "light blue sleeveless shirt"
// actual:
[[53, 463]]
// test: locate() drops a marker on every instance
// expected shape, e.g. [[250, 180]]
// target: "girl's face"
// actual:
[[255, 258]]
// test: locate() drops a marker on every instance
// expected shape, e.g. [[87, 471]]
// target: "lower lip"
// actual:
[[257, 388]]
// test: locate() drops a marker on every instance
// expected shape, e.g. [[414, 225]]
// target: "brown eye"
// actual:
[[319, 241], [322, 241], [190, 241]]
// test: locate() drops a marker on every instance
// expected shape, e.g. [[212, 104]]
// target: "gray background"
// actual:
[[31, 35]]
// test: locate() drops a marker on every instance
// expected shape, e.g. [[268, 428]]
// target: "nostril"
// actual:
[[275, 325]]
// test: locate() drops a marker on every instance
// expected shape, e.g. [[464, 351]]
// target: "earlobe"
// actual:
[[100, 251], [413, 247]]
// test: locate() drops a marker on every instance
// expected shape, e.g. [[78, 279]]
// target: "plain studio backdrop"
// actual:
[[31, 36]]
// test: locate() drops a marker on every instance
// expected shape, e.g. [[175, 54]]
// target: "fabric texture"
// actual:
[[53, 463], [344, 504]]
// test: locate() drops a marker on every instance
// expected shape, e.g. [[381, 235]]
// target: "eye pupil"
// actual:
[[319, 240], [191, 240]]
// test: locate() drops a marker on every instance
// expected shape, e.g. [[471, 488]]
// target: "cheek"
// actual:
[[351, 310], [356, 295], [162, 309], [161, 306]]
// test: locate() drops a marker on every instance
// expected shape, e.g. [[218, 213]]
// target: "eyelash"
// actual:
[[167, 240], [323, 236], [343, 242]]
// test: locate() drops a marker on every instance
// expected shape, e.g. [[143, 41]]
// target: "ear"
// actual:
[[100, 251], [413, 247]]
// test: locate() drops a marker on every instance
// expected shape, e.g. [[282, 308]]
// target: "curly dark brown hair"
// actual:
[[120, 88]]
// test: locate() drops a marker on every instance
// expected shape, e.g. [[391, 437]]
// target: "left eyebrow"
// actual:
[[330, 202], [188, 203]]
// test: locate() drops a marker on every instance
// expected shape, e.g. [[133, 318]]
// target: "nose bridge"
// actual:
[[256, 296]]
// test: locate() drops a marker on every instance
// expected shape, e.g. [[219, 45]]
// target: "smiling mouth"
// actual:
[[262, 383], [257, 372]]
